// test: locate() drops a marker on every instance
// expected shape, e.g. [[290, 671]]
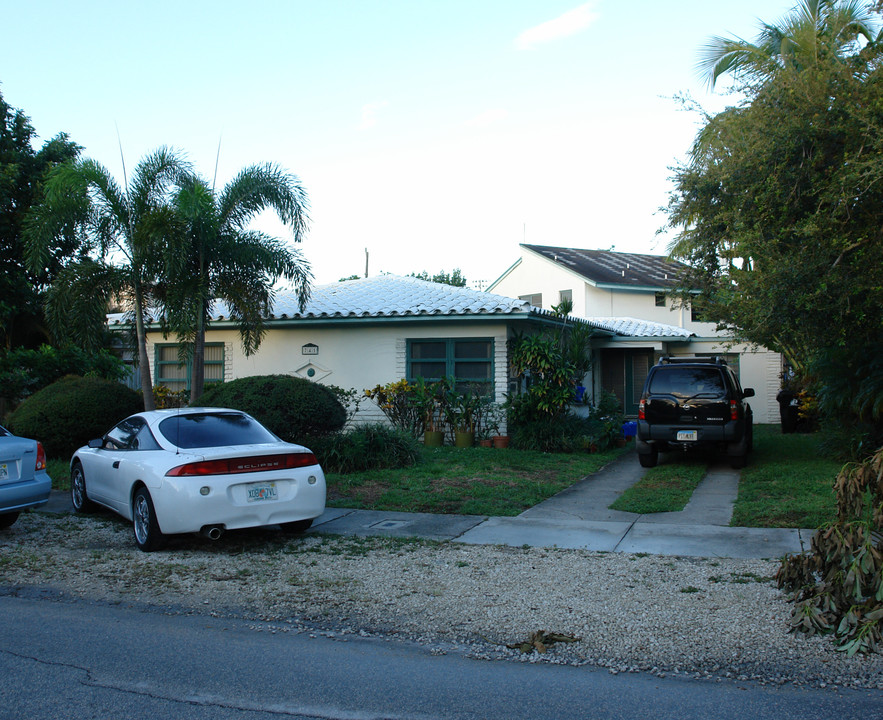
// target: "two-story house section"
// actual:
[[631, 292]]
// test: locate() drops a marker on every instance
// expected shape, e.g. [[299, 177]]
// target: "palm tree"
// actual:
[[812, 31], [218, 257], [119, 230]]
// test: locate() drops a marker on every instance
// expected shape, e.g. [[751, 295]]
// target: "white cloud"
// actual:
[[488, 118], [570, 23], [369, 114]]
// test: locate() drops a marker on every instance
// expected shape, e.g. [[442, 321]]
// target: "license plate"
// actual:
[[4, 472], [261, 492], [687, 435]]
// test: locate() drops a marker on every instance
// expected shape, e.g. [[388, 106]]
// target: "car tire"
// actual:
[[298, 526], [79, 498], [737, 462], [6, 519], [148, 536], [648, 460]]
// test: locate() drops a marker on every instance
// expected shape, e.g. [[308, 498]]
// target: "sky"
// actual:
[[429, 135]]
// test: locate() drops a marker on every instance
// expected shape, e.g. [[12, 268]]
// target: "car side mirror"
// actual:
[[748, 392], [95, 444]]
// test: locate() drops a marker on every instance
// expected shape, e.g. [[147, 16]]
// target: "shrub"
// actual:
[[24, 371], [400, 401], [366, 447], [837, 587], [291, 407], [68, 413]]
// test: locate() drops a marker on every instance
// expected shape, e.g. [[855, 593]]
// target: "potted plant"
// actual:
[[462, 410], [429, 398]]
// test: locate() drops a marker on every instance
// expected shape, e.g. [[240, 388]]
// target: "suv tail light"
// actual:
[[41, 457], [734, 410], [236, 466], [642, 407]]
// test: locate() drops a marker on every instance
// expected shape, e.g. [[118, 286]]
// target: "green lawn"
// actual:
[[474, 481], [787, 483], [664, 488]]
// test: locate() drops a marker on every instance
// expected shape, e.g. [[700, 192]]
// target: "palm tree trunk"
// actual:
[[143, 362], [197, 380]]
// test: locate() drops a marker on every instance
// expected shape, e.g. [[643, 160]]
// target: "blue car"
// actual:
[[24, 482]]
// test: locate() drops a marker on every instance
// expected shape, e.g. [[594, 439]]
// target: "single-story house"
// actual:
[[360, 333], [629, 294]]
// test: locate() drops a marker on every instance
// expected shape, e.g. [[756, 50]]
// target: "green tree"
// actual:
[[22, 170], [119, 230], [779, 211], [217, 257], [454, 278], [813, 33]]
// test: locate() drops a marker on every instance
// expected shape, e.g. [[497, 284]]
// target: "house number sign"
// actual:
[[310, 349]]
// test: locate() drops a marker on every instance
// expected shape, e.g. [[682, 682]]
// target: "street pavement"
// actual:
[[579, 518]]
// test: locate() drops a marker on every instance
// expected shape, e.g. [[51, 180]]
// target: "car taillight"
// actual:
[[41, 457], [734, 410], [236, 466], [641, 410]]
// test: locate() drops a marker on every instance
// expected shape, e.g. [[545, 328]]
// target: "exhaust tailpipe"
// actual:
[[212, 532]]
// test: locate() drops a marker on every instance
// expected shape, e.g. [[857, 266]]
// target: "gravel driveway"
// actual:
[[630, 613]]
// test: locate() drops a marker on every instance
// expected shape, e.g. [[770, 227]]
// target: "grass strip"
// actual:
[[787, 482], [473, 481], [664, 488]]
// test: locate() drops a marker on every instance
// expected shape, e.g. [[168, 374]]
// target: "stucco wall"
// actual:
[[348, 356]]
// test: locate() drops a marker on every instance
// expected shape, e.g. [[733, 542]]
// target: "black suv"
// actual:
[[694, 402]]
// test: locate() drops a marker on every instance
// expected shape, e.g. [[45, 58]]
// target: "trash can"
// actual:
[[789, 408], [630, 429]]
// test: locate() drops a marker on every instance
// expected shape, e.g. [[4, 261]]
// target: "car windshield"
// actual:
[[687, 382], [214, 429]]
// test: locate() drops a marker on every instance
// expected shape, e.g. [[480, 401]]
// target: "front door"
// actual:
[[623, 372]]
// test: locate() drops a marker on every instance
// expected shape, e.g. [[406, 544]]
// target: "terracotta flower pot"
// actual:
[[501, 441], [486, 442]]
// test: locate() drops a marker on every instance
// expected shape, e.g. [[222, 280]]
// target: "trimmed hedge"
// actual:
[[68, 413], [291, 407]]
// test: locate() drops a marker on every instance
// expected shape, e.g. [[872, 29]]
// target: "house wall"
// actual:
[[537, 275], [347, 356], [759, 368]]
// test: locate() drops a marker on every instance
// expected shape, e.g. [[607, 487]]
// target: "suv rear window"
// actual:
[[213, 430], [684, 382]]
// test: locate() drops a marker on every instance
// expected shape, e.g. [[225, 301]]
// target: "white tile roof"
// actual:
[[633, 327], [391, 296]]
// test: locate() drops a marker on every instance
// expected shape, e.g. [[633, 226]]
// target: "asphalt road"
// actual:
[[84, 660]]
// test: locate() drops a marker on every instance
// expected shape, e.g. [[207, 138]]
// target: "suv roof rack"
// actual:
[[715, 359]]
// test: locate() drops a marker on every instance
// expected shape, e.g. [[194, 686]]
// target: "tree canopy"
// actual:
[[120, 230], [217, 256], [779, 214], [454, 278], [22, 172]]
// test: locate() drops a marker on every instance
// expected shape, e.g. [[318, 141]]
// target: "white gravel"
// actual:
[[664, 615]]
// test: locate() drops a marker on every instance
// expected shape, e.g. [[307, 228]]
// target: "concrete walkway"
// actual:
[[579, 518]]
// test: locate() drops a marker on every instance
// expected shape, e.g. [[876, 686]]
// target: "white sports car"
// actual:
[[197, 470]]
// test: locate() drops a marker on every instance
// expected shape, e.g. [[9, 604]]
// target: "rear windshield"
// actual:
[[214, 429], [684, 382]]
